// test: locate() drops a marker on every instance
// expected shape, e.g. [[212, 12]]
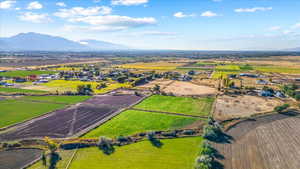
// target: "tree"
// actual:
[[156, 88], [84, 89], [105, 144], [281, 108]]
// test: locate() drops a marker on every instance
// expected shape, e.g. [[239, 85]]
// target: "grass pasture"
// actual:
[[277, 69], [17, 90], [152, 66], [132, 122], [220, 74], [175, 153], [24, 73], [182, 105], [21, 109]]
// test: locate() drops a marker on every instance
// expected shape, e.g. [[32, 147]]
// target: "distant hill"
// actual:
[[41, 42], [294, 49]]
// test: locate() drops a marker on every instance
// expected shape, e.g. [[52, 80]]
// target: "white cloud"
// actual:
[[158, 33], [7, 4], [128, 2], [255, 9], [209, 14], [274, 28], [61, 4], [34, 17], [296, 26], [182, 15], [80, 11], [286, 32], [101, 28], [34, 5], [115, 20]]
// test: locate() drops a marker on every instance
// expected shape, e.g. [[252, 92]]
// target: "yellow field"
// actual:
[[64, 85]]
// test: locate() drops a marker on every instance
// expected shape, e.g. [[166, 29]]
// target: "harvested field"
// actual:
[[229, 107], [19, 158], [189, 89], [72, 120], [161, 82], [270, 142]]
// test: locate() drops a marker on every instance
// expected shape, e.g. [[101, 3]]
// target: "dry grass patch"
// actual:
[[189, 89], [228, 107]]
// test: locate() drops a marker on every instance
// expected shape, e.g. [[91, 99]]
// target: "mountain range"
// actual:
[[41, 42]]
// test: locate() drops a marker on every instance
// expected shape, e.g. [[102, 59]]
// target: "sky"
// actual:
[[160, 24]]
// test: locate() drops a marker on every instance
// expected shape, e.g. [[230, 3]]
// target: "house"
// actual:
[[249, 75], [32, 77], [19, 80], [265, 93], [279, 94], [261, 82]]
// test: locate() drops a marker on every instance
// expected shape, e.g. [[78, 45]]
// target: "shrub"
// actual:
[[281, 108], [188, 132], [204, 162], [106, 145]]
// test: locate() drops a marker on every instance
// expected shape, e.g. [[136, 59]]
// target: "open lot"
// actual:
[[174, 153], [181, 105], [189, 89], [132, 122], [163, 83], [73, 119], [270, 142], [24, 108], [152, 66], [14, 159], [228, 107]]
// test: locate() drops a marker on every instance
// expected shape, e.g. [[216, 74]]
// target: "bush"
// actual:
[[188, 132], [204, 162], [170, 134], [106, 145], [281, 108]]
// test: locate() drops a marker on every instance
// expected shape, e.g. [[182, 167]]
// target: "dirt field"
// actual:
[[72, 120], [270, 142], [189, 89], [15, 159], [161, 82], [228, 107]]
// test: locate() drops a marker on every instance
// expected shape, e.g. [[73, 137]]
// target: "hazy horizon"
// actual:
[[154, 24]]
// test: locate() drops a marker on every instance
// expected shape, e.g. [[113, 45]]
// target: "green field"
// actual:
[[221, 74], [62, 164], [183, 105], [18, 110], [24, 73], [17, 90], [174, 154], [132, 122], [228, 68]]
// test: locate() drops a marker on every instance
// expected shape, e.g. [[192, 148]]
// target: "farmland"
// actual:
[[68, 85], [133, 122], [18, 90], [263, 143], [73, 119], [24, 156], [152, 66], [142, 155], [182, 105], [188, 89], [24, 73], [23, 108], [228, 107]]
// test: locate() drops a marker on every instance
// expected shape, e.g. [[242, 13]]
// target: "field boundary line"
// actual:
[[169, 113], [104, 120], [71, 160]]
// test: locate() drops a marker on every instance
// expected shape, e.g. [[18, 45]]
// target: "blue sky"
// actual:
[[160, 24]]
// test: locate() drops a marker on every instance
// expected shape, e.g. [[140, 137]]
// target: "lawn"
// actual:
[[132, 122], [17, 90], [24, 73], [64, 85], [18, 110], [183, 105], [174, 154]]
